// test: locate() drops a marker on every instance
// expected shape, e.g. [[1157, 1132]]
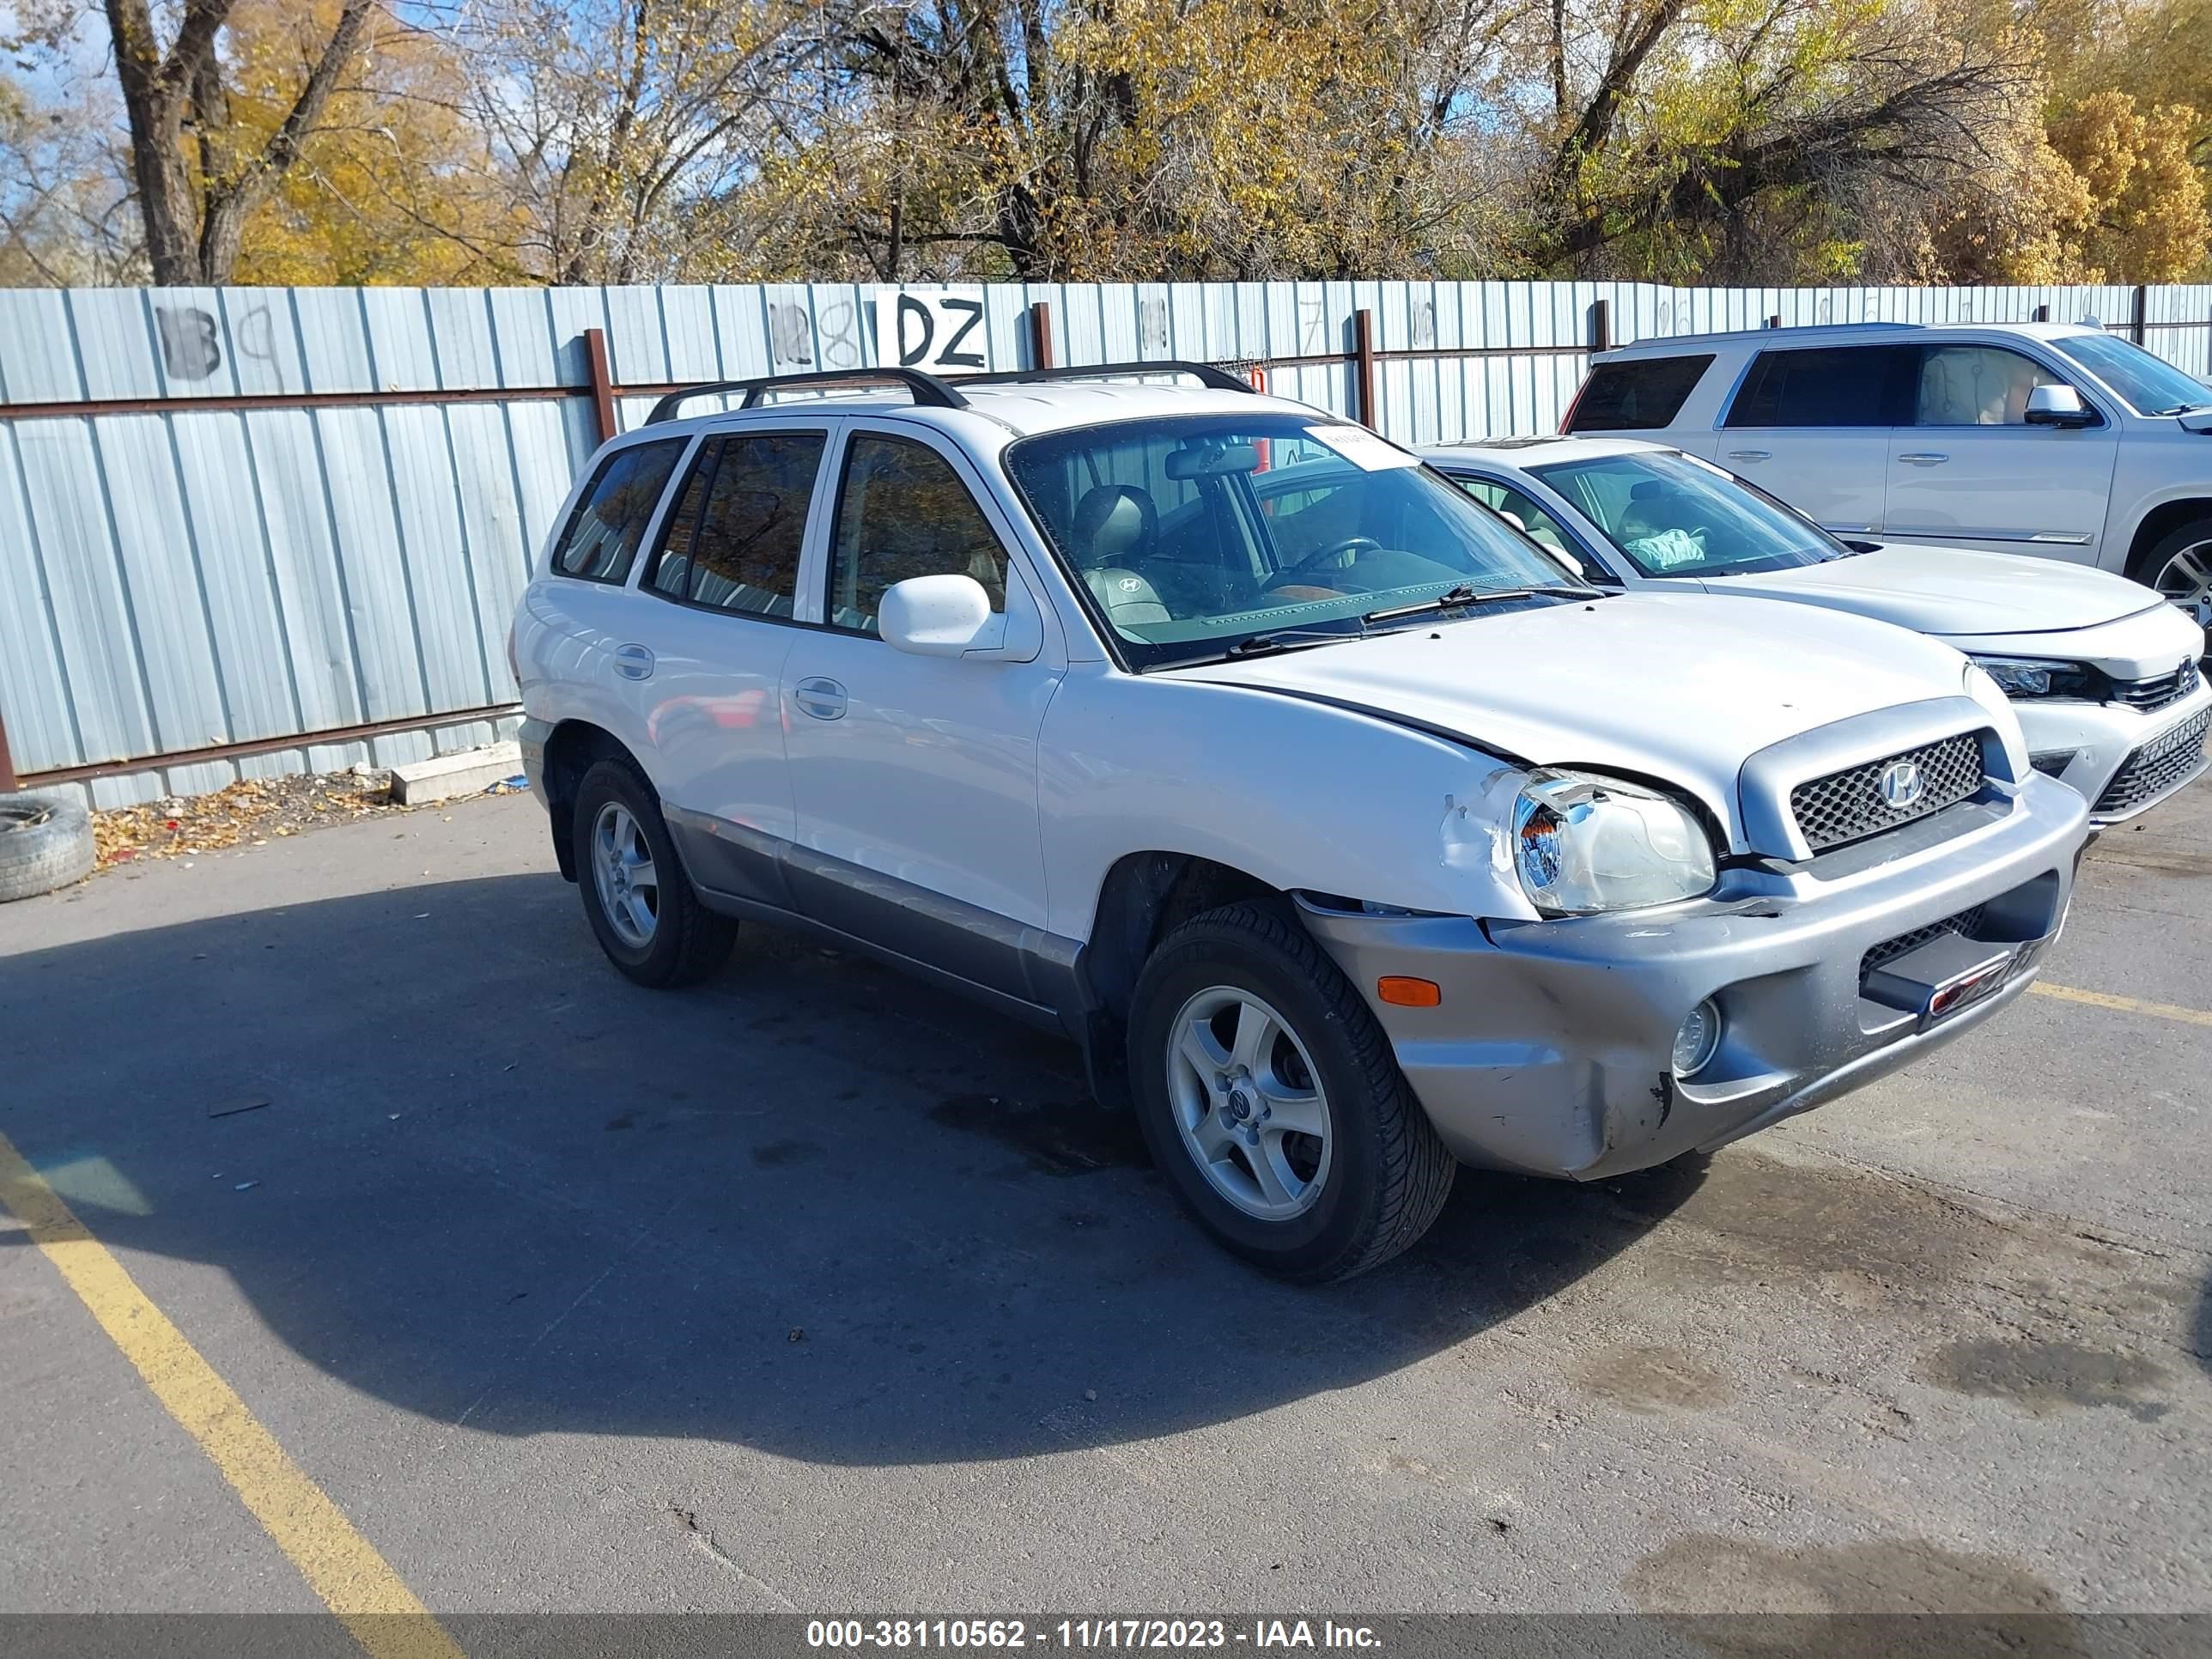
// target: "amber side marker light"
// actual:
[[1407, 993]]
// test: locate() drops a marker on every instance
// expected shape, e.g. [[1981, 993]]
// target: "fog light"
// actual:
[[1695, 1043]]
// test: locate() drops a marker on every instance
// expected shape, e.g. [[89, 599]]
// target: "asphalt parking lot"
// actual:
[[814, 1289]]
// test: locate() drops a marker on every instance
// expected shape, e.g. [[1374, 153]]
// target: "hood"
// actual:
[[1669, 686], [1954, 592]]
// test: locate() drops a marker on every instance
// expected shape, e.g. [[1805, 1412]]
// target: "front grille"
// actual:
[[1890, 948], [2156, 767], [1848, 806], [2160, 691]]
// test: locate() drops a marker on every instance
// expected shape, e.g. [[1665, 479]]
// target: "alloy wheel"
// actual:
[[1248, 1103], [623, 873], [2186, 582]]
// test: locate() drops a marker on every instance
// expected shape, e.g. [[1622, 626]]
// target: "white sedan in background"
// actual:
[[2103, 672]]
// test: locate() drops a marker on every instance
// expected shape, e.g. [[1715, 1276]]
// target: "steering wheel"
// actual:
[[1349, 549]]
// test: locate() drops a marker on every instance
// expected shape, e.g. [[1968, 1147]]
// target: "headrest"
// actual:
[[1114, 524]]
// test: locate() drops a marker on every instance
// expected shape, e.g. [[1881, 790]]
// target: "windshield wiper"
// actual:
[[1459, 598], [1289, 639], [2182, 408]]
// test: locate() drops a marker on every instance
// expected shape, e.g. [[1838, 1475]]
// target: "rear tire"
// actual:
[[2180, 566], [1270, 1099], [636, 896]]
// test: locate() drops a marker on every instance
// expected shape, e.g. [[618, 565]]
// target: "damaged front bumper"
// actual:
[[1550, 1050], [2122, 761]]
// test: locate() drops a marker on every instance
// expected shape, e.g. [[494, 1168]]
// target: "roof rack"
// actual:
[[1208, 375], [1879, 327], [927, 389]]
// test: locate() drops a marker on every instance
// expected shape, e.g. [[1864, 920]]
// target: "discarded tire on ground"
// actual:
[[46, 842]]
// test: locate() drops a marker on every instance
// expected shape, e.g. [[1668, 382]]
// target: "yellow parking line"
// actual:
[[339, 1565], [2124, 1004]]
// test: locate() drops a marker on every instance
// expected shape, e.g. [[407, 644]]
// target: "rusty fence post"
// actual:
[[603, 381], [1775, 321], [1362, 353], [1601, 325], [7, 785], [1041, 336], [2042, 314], [2142, 314]]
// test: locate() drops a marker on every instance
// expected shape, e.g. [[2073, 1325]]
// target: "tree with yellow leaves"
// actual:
[[2145, 218], [200, 174]]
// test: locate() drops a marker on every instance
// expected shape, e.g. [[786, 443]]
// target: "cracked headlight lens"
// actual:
[[2020, 677], [1584, 843]]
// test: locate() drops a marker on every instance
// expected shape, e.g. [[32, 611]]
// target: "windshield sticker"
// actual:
[[1361, 448]]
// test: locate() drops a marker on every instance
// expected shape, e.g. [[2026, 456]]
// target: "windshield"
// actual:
[[2149, 385], [1672, 516], [1190, 534]]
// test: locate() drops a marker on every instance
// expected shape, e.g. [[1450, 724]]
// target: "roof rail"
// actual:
[[1208, 375], [1666, 340], [927, 389]]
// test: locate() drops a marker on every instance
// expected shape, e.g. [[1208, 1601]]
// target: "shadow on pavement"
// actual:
[[811, 1206]]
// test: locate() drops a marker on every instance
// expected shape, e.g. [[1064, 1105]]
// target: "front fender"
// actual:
[[1299, 794]]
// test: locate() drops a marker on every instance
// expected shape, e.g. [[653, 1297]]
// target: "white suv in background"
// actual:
[[2057, 439], [1345, 834]]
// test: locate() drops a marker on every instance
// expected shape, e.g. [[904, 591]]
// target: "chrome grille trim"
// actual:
[[1847, 805], [2163, 763], [2159, 690]]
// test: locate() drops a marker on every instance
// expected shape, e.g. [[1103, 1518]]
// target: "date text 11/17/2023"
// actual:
[[1168, 1635]]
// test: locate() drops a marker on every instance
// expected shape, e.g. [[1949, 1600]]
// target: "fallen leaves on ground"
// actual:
[[246, 814]]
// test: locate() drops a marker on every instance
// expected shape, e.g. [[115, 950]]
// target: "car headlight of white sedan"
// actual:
[[1584, 843], [2024, 678]]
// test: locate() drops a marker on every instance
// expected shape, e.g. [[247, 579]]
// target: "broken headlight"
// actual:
[[2027, 677], [1583, 843]]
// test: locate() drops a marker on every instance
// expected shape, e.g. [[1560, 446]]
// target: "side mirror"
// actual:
[[1582, 569], [2059, 405], [939, 617]]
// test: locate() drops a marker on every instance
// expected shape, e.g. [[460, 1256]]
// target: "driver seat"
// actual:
[[1117, 526]]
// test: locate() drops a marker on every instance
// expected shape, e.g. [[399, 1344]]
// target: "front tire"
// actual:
[[639, 900], [1270, 1099], [2180, 566]]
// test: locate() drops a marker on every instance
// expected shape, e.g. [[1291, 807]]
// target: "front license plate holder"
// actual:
[[1943, 977]]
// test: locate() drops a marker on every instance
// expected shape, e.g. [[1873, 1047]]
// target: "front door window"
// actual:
[[904, 512]]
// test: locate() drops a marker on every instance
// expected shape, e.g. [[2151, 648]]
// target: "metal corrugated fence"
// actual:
[[326, 553]]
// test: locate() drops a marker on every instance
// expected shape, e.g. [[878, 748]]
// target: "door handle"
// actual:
[[633, 662], [1923, 458], [825, 699], [1751, 454]]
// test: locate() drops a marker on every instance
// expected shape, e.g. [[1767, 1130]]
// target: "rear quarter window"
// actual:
[[601, 538], [1639, 396]]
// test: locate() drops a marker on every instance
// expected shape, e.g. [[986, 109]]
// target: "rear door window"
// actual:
[[732, 542], [602, 536], [1831, 386], [1641, 395]]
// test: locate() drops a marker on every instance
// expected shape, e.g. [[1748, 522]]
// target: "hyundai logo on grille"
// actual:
[[1900, 783]]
